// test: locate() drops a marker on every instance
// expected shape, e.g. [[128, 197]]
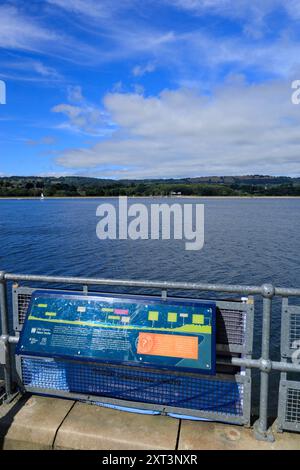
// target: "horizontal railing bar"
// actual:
[[235, 361], [229, 288], [267, 366], [285, 366], [13, 339], [287, 292], [136, 283]]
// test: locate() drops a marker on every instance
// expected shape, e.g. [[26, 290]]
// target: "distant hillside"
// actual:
[[247, 179], [258, 185]]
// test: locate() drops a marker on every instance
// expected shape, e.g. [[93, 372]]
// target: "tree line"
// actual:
[[93, 187]]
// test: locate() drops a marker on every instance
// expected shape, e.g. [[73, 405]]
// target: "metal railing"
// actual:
[[265, 364]]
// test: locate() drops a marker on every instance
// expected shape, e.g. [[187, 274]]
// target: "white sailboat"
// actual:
[[42, 197]]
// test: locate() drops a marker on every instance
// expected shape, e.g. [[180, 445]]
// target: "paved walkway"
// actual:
[[53, 423]]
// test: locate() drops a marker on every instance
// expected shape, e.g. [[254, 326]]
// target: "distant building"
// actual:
[[174, 193]]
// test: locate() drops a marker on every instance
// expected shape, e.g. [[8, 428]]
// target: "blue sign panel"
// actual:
[[172, 334]]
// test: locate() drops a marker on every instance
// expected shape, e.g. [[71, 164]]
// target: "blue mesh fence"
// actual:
[[139, 385]]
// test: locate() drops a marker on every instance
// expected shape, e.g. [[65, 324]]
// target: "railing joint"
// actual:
[[265, 365], [268, 291]]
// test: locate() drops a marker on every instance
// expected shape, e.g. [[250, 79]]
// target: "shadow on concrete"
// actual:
[[7, 419]]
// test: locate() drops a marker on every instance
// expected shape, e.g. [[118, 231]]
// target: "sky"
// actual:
[[149, 88]]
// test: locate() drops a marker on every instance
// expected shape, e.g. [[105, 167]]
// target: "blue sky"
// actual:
[[149, 88]]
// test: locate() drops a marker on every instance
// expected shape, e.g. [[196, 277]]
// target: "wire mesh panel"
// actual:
[[21, 297], [20, 306], [289, 390], [294, 330], [289, 405], [292, 414], [231, 326], [290, 329], [221, 397]]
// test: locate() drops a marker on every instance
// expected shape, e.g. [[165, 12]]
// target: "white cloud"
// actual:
[[198, 56], [20, 32], [236, 9], [75, 94], [185, 54], [83, 117], [253, 13], [139, 89], [44, 70], [140, 70], [242, 129], [32, 70], [82, 7], [46, 140]]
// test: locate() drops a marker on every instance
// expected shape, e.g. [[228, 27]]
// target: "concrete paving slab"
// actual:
[[32, 423], [196, 435], [45, 423], [5, 408], [92, 427]]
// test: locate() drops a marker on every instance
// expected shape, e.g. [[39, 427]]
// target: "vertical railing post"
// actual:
[[5, 334], [261, 425]]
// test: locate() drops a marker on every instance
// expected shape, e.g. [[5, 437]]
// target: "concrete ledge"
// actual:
[[47, 423], [96, 428], [217, 436], [32, 423]]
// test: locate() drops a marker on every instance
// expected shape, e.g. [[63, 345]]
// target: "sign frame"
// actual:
[[128, 299]]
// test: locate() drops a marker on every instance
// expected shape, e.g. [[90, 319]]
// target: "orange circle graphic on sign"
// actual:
[[145, 343]]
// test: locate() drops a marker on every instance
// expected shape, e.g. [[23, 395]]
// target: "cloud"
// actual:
[[119, 33], [44, 70], [19, 68], [253, 14], [89, 8], [46, 140], [241, 129], [20, 32], [83, 117], [140, 70], [198, 56], [241, 8], [222, 7], [25, 32], [110, 38], [75, 94]]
